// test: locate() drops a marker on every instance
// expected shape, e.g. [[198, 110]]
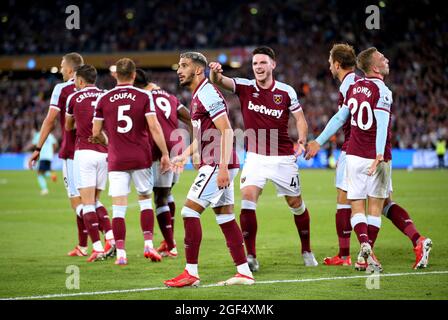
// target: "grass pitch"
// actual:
[[36, 233]]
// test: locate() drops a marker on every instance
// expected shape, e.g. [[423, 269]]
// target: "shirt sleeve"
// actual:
[[98, 114], [240, 84], [69, 105], [294, 105], [385, 100], [150, 107], [382, 123], [212, 102], [55, 97]]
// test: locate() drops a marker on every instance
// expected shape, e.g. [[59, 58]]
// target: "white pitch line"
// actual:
[[95, 293]]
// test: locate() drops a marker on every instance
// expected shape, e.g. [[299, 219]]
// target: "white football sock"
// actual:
[[244, 270], [83, 249], [121, 253], [98, 246], [192, 269], [110, 235], [148, 243]]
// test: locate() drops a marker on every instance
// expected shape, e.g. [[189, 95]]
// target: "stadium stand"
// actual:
[[416, 47]]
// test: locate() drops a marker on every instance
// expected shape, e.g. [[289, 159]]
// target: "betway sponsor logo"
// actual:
[[264, 110]]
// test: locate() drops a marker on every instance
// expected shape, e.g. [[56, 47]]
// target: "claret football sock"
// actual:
[[359, 225], [146, 219], [373, 227], [119, 226], [234, 237], [103, 217], [193, 238], [401, 219], [344, 229], [302, 221], [164, 220], [91, 222], [248, 222], [82, 231]]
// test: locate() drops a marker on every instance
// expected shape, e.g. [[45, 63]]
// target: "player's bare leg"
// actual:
[[88, 197], [41, 179], [302, 221], [168, 246], [248, 222], [147, 226], [401, 219], [191, 213], [234, 240], [81, 248], [344, 230], [105, 226]]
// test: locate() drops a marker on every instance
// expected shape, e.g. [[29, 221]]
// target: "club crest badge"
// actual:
[[278, 98]]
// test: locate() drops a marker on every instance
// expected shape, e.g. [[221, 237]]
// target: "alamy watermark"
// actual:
[[72, 281], [262, 141], [373, 281], [373, 20], [73, 20]]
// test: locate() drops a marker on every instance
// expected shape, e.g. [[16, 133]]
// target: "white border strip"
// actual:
[[50, 296]]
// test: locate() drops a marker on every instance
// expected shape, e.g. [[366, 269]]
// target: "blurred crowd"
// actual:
[[414, 37]]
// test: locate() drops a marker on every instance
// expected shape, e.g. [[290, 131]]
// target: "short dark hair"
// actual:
[[141, 78], [74, 59], [125, 68], [87, 72], [344, 54], [364, 59], [264, 50], [196, 57]]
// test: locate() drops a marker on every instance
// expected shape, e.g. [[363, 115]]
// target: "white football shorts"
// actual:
[[341, 181], [69, 179], [165, 180], [120, 182], [283, 171], [360, 185], [205, 192], [90, 169]]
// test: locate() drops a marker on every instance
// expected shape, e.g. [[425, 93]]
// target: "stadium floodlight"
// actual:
[[31, 64], [222, 58]]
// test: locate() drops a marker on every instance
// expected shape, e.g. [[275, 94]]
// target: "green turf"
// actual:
[[36, 232]]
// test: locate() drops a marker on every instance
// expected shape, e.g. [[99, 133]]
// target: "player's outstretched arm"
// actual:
[[47, 127], [302, 130], [335, 123], [178, 162], [159, 138], [218, 78], [222, 123]]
